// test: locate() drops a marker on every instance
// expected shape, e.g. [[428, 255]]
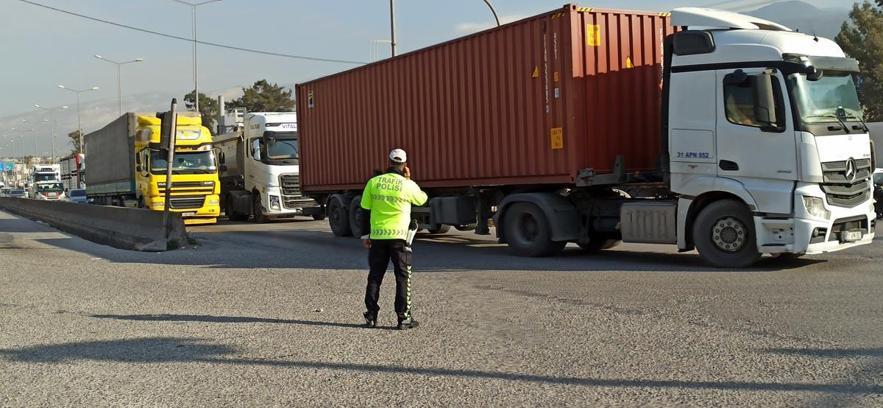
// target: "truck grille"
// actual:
[[184, 203], [846, 182], [297, 202], [188, 187], [191, 184], [290, 184]]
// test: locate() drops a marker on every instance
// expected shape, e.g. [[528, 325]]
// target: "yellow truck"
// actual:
[[128, 168]]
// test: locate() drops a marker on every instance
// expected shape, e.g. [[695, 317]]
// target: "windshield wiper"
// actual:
[[832, 116], [860, 120]]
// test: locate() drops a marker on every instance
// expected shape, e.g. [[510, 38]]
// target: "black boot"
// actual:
[[370, 319], [407, 323]]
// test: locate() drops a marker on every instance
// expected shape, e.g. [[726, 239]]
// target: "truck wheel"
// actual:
[[356, 215], [256, 210], [438, 229], [230, 209], [528, 232], [724, 235], [339, 216], [598, 242]]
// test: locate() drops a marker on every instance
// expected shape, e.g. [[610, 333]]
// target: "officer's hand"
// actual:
[[366, 243], [407, 172]]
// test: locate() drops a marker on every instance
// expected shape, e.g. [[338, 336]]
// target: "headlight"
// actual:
[[274, 203], [213, 201], [815, 206]]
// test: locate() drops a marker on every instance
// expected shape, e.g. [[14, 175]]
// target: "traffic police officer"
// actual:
[[388, 198]]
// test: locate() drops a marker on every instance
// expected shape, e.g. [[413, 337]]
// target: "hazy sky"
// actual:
[[42, 48]]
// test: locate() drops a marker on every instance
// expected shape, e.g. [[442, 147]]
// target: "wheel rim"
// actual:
[[729, 234], [528, 229]]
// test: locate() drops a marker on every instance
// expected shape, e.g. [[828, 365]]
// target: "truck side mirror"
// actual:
[[813, 74], [222, 158], [765, 108], [737, 78]]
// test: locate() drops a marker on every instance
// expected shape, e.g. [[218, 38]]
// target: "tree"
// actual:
[[264, 97], [208, 108], [75, 141], [862, 38]]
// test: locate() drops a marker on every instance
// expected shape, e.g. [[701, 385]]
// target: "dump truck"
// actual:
[[699, 128], [259, 169], [127, 167]]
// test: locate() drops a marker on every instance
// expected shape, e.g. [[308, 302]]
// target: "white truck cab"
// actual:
[[769, 117], [260, 171]]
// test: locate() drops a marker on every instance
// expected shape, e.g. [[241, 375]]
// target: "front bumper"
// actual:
[[805, 234], [207, 214]]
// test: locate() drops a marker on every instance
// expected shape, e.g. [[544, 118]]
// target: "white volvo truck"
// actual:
[[259, 169]]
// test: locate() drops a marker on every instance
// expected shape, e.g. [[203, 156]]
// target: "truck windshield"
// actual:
[[818, 101], [49, 187], [281, 149], [185, 162], [44, 177]]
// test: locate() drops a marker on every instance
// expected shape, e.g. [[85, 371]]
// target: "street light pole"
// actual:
[[119, 64], [54, 125], [493, 11], [392, 26], [193, 7], [79, 123]]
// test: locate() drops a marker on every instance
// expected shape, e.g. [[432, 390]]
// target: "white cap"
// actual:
[[398, 156]]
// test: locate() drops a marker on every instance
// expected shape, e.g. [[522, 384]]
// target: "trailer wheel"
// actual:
[[256, 210], [355, 216], [528, 232], [724, 235], [339, 216]]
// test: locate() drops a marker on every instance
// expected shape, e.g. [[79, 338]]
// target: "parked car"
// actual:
[[17, 193], [878, 192], [77, 196]]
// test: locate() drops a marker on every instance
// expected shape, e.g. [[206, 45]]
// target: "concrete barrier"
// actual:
[[125, 228]]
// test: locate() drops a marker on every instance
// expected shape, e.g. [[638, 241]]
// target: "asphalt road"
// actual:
[[269, 315]]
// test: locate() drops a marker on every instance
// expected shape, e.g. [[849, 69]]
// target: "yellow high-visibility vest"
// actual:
[[389, 198]]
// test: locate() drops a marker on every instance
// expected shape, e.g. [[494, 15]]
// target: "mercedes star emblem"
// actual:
[[850, 170]]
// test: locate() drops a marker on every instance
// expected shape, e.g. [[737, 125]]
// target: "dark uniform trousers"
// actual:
[[381, 253]]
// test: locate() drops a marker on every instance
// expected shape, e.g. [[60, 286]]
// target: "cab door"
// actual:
[[755, 138]]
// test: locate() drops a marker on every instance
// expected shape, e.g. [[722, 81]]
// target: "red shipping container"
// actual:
[[532, 102]]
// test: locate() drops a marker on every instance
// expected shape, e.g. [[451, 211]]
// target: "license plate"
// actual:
[[850, 236], [188, 214]]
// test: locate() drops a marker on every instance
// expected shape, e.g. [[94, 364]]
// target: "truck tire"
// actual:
[[724, 235], [438, 229], [256, 210], [355, 216], [230, 209], [598, 242], [339, 216], [528, 232]]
